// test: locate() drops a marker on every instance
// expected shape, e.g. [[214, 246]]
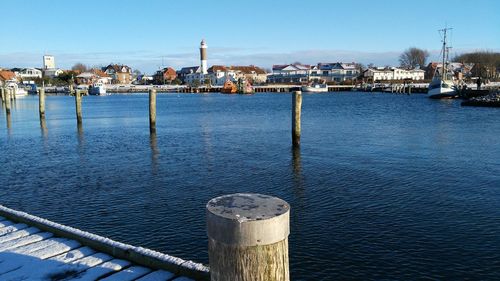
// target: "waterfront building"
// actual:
[[460, 70], [219, 74], [49, 62], [251, 73], [86, 78], [379, 74], [52, 72], [165, 75], [300, 73], [120, 74], [337, 72], [185, 71], [93, 76], [28, 73], [143, 79], [7, 76], [49, 67], [290, 73]]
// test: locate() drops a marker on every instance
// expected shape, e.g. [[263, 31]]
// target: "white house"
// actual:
[[393, 73], [289, 73], [337, 72], [52, 72], [218, 74], [197, 77], [29, 73]]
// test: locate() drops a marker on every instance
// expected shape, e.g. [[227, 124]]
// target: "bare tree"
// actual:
[[360, 66], [413, 57], [79, 67]]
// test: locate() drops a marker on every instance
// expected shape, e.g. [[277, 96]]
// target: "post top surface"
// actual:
[[243, 207]]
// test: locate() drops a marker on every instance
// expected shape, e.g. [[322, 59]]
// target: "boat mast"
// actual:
[[445, 53]]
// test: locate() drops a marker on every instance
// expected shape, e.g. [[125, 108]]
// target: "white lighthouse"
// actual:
[[203, 57]]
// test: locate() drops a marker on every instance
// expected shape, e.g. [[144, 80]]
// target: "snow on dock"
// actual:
[[32, 248]]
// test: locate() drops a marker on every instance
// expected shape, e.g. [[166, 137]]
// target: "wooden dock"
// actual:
[[32, 248]]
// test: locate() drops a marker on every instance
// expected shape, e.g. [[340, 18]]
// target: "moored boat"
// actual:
[[18, 91], [315, 88], [442, 84], [97, 89], [244, 87], [229, 88]]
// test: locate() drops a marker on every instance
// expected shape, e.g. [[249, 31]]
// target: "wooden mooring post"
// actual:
[[41, 103], [7, 101], [296, 111], [248, 244], [2, 94], [152, 111], [78, 105]]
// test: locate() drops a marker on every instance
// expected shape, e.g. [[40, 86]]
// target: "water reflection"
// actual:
[[155, 152], [9, 122], [298, 180], [80, 136], [43, 127]]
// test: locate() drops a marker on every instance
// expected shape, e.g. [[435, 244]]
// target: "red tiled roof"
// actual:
[[216, 68], [249, 69], [99, 73], [7, 75]]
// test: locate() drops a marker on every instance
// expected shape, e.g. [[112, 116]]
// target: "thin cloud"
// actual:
[[149, 61]]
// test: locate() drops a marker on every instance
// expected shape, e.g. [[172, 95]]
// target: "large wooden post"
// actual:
[[7, 101], [2, 94], [152, 111], [78, 103], [41, 103], [296, 111], [248, 238]]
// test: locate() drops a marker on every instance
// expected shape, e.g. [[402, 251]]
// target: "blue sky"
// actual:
[[149, 34]]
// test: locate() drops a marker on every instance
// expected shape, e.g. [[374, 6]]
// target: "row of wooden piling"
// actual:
[[253, 249], [6, 95]]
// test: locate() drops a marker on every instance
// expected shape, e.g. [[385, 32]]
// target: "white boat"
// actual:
[[18, 91], [315, 88], [97, 89], [442, 84]]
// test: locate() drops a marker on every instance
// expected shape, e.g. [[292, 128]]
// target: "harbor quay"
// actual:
[[321, 77]]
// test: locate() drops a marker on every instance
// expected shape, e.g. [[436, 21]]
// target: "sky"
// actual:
[[147, 35]]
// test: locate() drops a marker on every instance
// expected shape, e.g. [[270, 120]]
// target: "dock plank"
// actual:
[[101, 270], [24, 264], [18, 234], [128, 274], [32, 248], [5, 223], [21, 267], [59, 247], [43, 244], [74, 255], [12, 228], [158, 275], [182, 278], [24, 241]]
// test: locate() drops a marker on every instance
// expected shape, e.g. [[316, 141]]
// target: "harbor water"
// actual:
[[384, 186]]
